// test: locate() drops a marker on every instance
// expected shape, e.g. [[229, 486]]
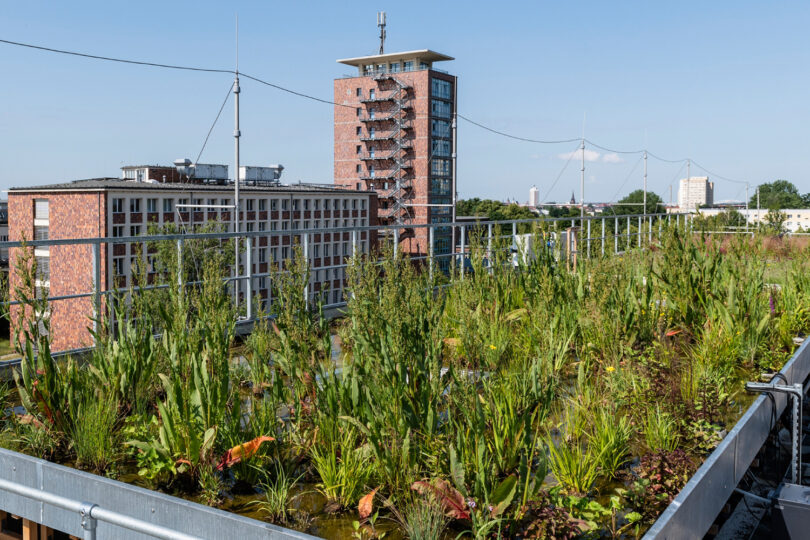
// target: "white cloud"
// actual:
[[590, 155], [612, 158]]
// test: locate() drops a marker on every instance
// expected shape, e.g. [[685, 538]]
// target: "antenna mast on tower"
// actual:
[[381, 24]]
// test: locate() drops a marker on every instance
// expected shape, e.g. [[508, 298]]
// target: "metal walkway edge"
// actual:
[[692, 512], [65, 499]]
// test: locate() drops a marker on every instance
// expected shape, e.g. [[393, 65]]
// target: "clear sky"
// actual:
[[725, 83]]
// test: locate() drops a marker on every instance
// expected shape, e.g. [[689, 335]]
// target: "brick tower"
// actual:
[[394, 135]]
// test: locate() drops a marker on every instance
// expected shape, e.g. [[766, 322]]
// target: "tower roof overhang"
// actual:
[[423, 54]]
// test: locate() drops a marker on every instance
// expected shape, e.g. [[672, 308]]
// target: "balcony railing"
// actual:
[[384, 136]]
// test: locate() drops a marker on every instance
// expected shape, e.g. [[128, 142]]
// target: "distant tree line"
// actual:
[[779, 195]]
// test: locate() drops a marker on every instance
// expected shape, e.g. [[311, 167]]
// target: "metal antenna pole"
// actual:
[[645, 182], [381, 24], [582, 183], [236, 135], [746, 207], [688, 165], [688, 176]]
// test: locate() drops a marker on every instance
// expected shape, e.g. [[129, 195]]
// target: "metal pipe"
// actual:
[[463, 248], [489, 247], [454, 158], [89, 513], [249, 272], [629, 242], [588, 240], [237, 206], [96, 286], [616, 235], [603, 237], [430, 251]]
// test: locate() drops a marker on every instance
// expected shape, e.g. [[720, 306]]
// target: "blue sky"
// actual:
[[724, 83]]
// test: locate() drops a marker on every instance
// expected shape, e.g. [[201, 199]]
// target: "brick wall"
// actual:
[[72, 215], [346, 142]]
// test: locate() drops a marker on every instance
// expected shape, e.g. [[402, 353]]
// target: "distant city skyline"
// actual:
[[715, 82]]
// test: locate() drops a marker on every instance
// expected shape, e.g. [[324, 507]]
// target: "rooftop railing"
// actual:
[[565, 238]]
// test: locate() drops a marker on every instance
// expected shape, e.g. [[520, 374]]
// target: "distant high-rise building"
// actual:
[[534, 196], [393, 135], [695, 192]]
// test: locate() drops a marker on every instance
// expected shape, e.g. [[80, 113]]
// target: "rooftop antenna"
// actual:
[[381, 24]]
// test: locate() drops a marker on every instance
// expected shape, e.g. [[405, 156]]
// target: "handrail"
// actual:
[[90, 513], [300, 232], [96, 292], [61, 498], [692, 512]]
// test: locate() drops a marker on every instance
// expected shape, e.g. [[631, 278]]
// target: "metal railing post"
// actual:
[[396, 242], [249, 272], [649, 237], [96, 285], [430, 251], [615, 235], [489, 247], [659, 228], [354, 242], [514, 234], [463, 248], [88, 521], [629, 240], [588, 240], [640, 231], [305, 252], [180, 265], [603, 237]]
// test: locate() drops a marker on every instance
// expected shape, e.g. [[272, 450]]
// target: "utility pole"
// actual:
[[236, 135], [454, 165], [582, 184]]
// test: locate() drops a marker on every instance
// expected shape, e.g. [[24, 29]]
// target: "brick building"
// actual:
[[393, 135], [116, 207]]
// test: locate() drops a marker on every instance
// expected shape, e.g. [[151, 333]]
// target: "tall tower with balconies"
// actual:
[[394, 135]]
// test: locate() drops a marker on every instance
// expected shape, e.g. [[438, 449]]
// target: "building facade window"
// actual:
[[151, 205], [168, 205], [440, 148], [440, 167], [118, 206], [134, 206], [442, 109], [441, 89], [440, 128]]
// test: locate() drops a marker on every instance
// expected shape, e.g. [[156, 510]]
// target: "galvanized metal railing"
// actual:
[[695, 508], [567, 237], [64, 499]]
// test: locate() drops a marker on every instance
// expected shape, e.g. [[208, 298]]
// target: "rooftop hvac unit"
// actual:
[[260, 175]]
